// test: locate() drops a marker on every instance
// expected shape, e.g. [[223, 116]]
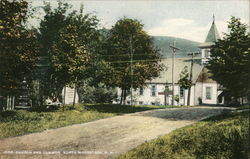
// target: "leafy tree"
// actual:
[[54, 21], [230, 58], [72, 52], [18, 45], [70, 40], [127, 38], [184, 80], [177, 98]]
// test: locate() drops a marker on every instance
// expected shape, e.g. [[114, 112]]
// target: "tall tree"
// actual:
[[132, 55], [70, 40], [74, 49], [18, 45], [51, 25], [230, 60], [185, 81]]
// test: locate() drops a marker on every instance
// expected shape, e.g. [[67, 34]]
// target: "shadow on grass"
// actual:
[[187, 113], [119, 109], [102, 108], [227, 114], [43, 109], [8, 113]]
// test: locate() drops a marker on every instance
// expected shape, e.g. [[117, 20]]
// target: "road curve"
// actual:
[[105, 138]]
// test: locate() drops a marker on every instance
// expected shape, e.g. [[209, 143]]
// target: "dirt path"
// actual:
[[103, 138]]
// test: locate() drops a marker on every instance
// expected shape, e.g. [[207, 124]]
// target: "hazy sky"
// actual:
[[180, 18]]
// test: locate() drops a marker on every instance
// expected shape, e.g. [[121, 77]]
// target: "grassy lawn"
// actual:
[[243, 107], [20, 122], [225, 136]]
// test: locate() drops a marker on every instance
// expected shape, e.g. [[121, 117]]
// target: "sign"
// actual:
[[68, 93], [165, 93]]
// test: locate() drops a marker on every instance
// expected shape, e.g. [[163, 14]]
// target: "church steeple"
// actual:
[[213, 34], [212, 37]]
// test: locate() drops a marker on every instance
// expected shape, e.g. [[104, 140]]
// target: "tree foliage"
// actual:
[[184, 80], [127, 39], [53, 21], [76, 42], [69, 39], [18, 45], [230, 59]]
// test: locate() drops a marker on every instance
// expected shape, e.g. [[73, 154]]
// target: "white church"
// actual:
[[204, 90]]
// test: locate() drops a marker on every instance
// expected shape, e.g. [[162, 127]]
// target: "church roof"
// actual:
[[205, 76], [180, 63], [212, 36]]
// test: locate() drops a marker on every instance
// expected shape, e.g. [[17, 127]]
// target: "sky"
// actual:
[[188, 19]]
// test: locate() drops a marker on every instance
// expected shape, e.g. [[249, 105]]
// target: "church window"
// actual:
[[153, 90], [182, 92], [207, 53], [141, 90], [208, 93]]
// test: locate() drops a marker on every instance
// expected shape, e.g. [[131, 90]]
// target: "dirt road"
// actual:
[[105, 138]]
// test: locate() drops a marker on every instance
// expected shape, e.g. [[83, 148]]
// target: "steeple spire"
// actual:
[[213, 34]]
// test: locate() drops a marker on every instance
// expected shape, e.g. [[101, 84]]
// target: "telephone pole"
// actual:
[[131, 64], [193, 54], [173, 60]]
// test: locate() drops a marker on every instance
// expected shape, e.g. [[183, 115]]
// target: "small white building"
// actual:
[[204, 90], [68, 95]]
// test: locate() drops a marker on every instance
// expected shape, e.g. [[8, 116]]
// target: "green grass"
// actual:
[[225, 136], [123, 109], [243, 107], [20, 122]]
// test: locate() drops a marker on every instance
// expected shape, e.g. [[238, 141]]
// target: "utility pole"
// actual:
[[131, 64], [191, 74], [173, 60]]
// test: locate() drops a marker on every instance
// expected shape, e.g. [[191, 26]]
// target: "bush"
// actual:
[[96, 94]]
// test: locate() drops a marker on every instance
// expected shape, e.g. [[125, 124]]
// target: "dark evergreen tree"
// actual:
[[230, 60]]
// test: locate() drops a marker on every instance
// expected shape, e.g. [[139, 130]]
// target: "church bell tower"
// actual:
[[205, 47]]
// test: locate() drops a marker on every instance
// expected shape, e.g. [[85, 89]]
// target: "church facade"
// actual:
[[204, 90]]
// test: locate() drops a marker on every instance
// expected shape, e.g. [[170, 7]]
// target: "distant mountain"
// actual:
[[163, 43]]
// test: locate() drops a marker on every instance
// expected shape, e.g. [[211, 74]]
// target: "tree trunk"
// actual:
[[74, 99], [124, 96], [13, 103], [184, 95], [64, 97], [236, 103], [121, 100], [165, 99], [189, 95], [190, 79], [1, 104]]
